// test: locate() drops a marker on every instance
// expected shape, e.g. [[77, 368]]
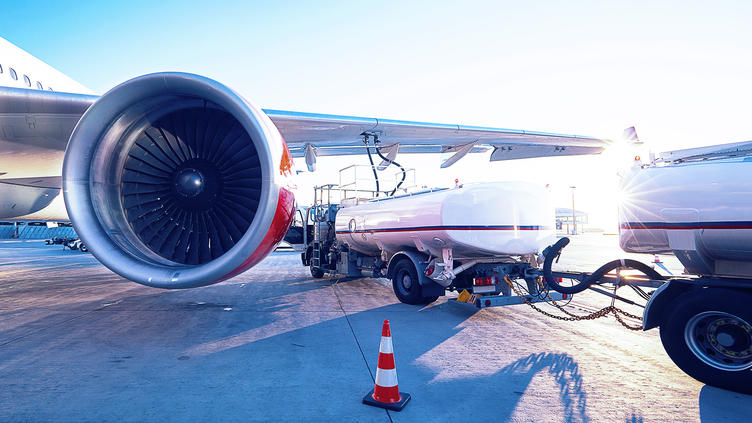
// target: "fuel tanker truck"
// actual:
[[431, 241], [496, 241], [697, 205]]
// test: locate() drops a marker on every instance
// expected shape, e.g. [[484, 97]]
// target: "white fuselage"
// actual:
[[25, 148], [22, 70], [703, 207], [481, 220]]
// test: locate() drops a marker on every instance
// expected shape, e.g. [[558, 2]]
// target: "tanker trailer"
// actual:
[[700, 209], [697, 205], [468, 238]]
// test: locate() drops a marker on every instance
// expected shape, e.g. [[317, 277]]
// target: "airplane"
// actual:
[[174, 180]]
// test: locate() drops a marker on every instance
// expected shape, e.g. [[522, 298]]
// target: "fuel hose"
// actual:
[[373, 167], [553, 251], [378, 151]]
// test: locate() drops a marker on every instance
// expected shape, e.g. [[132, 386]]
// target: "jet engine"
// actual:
[[175, 181]]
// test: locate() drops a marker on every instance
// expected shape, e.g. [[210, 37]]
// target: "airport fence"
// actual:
[[31, 230]]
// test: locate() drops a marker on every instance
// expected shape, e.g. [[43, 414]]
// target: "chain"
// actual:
[[571, 317]]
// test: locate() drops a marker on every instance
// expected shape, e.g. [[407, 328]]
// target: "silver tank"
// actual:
[[700, 211]]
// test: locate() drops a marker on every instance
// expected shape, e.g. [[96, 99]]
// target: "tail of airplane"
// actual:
[[638, 147], [630, 134]]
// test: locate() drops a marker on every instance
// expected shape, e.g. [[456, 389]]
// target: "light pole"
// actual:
[[574, 217]]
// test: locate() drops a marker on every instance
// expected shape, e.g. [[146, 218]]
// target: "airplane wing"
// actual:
[[40, 122], [311, 134], [40, 118]]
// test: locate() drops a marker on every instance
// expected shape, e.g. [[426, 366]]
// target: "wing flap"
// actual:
[[516, 151], [333, 135]]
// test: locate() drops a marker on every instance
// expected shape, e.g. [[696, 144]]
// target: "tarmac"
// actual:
[[79, 344]]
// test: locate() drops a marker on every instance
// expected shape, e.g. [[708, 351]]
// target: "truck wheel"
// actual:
[[708, 334], [317, 273], [406, 286]]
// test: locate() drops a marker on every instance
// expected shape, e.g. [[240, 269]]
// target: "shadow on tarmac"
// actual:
[[565, 373], [158, 354], [719, 405], [235, 352]]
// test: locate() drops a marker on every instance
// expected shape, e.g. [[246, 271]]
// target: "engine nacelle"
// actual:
[[175, 181]]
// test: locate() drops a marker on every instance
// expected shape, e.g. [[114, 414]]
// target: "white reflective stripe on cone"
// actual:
[[386, 345], [386, 378]]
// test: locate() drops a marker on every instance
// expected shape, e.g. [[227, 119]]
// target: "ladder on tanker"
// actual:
[[315, 255]]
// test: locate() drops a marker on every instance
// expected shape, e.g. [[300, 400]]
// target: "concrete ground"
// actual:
[[78, 343]]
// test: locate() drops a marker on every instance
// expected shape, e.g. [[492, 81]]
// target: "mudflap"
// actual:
[[429, 288]]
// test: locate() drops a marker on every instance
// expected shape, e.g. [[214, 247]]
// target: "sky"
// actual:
[[677, 70]]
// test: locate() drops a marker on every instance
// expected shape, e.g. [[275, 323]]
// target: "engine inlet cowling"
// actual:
[[172, 180]]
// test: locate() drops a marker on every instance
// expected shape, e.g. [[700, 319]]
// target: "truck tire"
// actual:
[[317, 273], [708, 334], [406, 284]]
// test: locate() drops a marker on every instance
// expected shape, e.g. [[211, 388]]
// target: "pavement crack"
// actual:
[[347, 318]]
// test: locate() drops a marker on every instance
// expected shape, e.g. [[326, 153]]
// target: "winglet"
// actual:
[[630, 135]]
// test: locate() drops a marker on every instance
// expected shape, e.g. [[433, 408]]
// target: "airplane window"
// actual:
[[39, 85], [13, 74], [27, 81]]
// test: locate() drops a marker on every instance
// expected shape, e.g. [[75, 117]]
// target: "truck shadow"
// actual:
[[719, 405]]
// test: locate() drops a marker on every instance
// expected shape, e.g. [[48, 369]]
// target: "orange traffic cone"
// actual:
[[385, 393]]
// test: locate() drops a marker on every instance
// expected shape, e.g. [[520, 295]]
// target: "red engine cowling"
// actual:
[[175, 181]]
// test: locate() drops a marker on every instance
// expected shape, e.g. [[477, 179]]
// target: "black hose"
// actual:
[[554, 251], [378, 151], [373, 168], [550, 253]]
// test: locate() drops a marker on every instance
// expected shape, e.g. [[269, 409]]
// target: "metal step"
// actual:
[[316, 257]]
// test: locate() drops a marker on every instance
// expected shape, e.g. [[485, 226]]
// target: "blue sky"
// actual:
[[679, 71], [491, 63]]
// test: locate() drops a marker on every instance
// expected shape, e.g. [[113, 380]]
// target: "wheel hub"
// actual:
[[407, 281], [725, 339], [721, 340]]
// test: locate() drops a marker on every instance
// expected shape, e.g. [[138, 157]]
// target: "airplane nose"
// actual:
[[189, 182]]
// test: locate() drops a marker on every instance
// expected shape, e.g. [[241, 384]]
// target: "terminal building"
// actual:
[[36, 230], [570, 222]]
